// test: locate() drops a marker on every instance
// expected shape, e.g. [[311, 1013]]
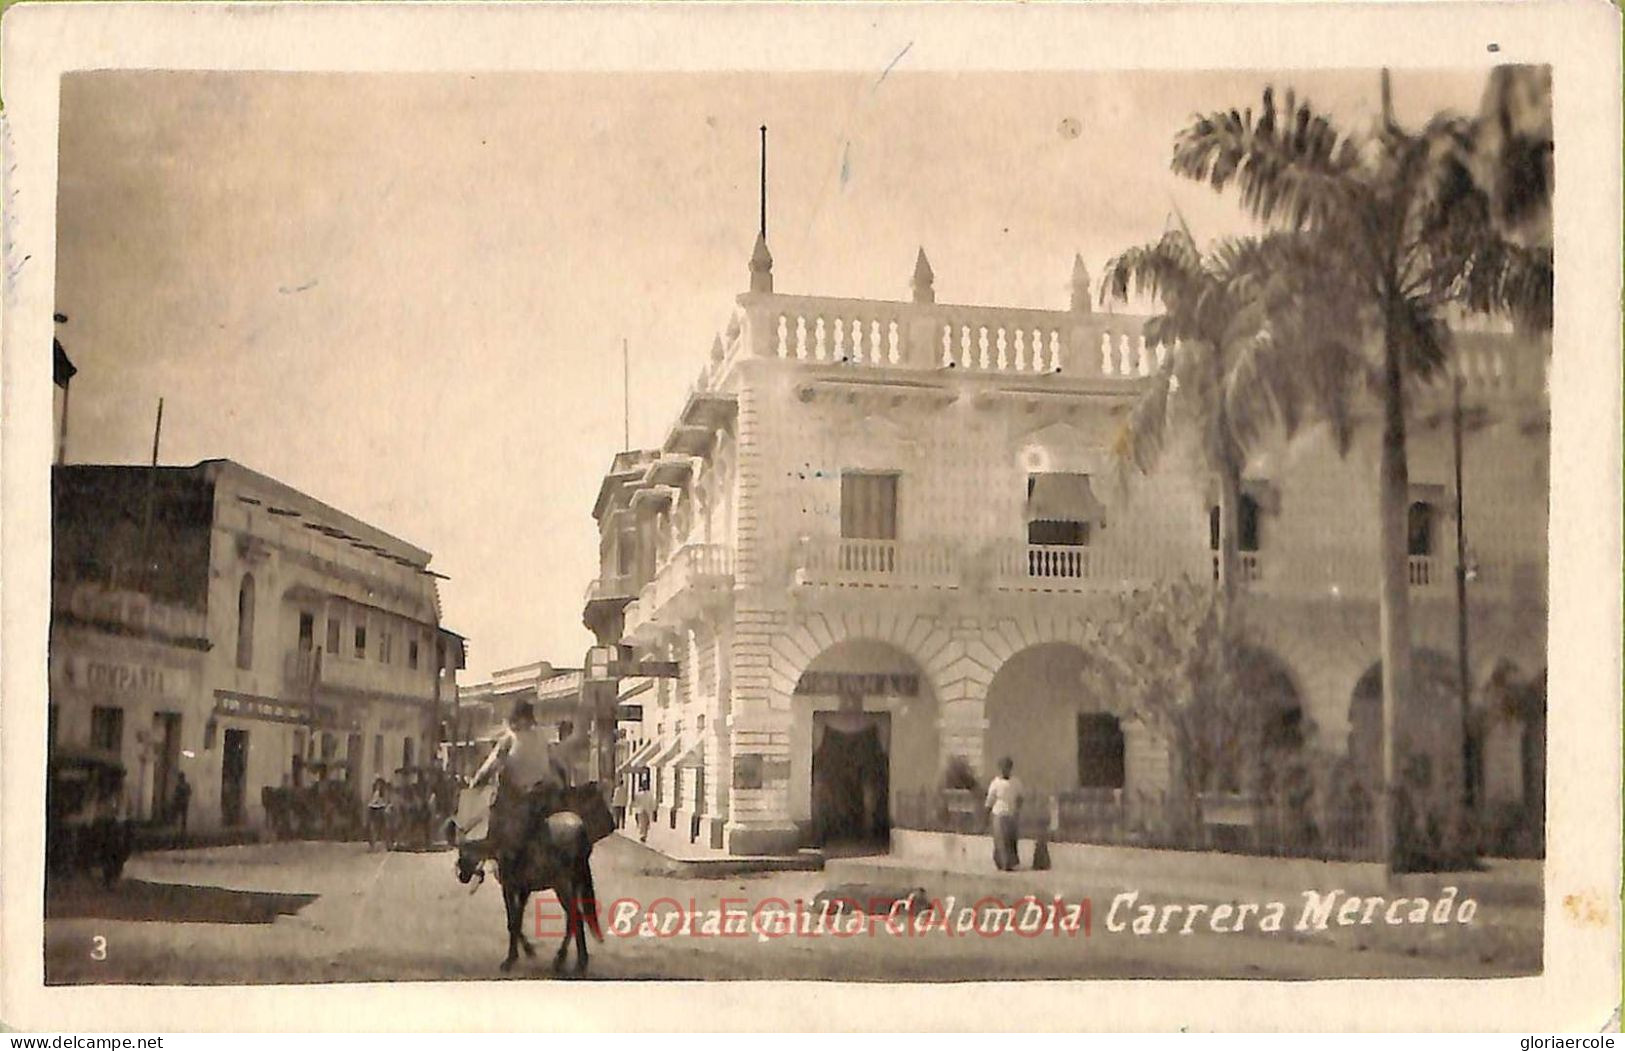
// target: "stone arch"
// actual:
[[921, 638], [870, 695], [1063, 731], [1434, 676]]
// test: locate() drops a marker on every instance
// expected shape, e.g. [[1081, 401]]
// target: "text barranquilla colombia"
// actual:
[[769, 919]]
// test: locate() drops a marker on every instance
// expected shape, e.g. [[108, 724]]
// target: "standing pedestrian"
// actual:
[[1004, 803], [618, 802], [181, 801]]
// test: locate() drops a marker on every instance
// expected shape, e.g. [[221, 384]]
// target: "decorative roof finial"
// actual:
[[923, 280], [761, 260], [1080, 286]]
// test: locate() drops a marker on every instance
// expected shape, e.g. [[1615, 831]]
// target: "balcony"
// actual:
[[303, 673], [1071, 568], [1249, 569], [693, 578], [846, 562], [1425, 572]]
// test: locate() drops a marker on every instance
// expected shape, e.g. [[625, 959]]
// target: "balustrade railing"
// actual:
[[1423, 571], [844, 560], [936, 336], [1066, 567], [1014, 341]]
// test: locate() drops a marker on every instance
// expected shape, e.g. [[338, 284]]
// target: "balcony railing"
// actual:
[[1424, 571], [611, 587], [691, 573], [302, 672], [1249, 569], [845, 561]]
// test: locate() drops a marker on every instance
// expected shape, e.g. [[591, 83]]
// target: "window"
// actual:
[[1100, 751], [1419, 529], [868, 506], [384, 645], [245, 623], [335, 629], [412, 654], [1247, 525], [107, 728], [406, 751], [625, 550], [307, 632], [360, 641], [1061, 509]]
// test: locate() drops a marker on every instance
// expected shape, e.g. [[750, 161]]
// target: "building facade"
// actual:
[[877, 532], [212, 621]]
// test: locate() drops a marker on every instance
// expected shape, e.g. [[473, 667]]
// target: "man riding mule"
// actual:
[[540, 831], [535, 776]]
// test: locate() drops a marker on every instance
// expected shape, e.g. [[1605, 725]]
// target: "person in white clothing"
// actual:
[[535, 774], [1004, 803]]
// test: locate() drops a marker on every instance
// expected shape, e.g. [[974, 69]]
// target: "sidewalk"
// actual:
[[686, 859], [1203, 874]]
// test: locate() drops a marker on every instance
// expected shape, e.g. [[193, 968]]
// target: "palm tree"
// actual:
[[1235, 322], [1400, 229]]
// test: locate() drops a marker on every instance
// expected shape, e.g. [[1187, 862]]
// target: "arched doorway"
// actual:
[[864, 732], [1438, 695], [1064, 736], [1239, 742]]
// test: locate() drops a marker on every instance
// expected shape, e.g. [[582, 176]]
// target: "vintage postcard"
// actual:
[[978, 505]]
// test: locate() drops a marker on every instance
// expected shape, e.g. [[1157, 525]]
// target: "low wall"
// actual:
[[955, 851]]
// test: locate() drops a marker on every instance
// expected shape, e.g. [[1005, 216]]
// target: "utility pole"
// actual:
[[1462, 665], [145, 578]]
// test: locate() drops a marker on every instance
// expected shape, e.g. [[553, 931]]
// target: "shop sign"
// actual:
[[863, 684], [135, 679], [272, 710]]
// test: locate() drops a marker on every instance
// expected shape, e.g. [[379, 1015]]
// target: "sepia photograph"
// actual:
[[905, 525]]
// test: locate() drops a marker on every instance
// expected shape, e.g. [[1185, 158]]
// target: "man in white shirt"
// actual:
[[1004, 803], [535, 773]]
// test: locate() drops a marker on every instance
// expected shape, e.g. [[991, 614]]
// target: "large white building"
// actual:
[[876, 532], [213, 621]]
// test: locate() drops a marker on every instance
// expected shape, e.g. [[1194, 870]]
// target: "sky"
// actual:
[[405, 294]]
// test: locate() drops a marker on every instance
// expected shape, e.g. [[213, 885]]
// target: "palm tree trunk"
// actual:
[[1394, 620]]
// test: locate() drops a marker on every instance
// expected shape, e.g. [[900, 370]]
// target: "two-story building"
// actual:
[[877, 531], [213, 621]]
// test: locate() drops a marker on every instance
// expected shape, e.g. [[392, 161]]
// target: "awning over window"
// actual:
[[640, 757], [666, 753], [694, 757], [1063, 498]]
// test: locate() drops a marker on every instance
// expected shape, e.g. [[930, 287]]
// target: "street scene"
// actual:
[[906, 529]]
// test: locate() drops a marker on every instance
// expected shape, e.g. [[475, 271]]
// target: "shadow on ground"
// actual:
[[140, 900]]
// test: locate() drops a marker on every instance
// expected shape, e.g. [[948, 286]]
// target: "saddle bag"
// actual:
[[587, 801]]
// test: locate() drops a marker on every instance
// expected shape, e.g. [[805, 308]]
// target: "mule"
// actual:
[[558, 860]]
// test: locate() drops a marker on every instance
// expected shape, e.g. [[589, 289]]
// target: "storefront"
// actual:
[[138, 698]]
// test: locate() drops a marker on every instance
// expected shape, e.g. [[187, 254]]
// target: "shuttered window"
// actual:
[[868, 506]]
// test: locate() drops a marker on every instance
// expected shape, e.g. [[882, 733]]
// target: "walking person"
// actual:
[[1004, 803], [644, 806]]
